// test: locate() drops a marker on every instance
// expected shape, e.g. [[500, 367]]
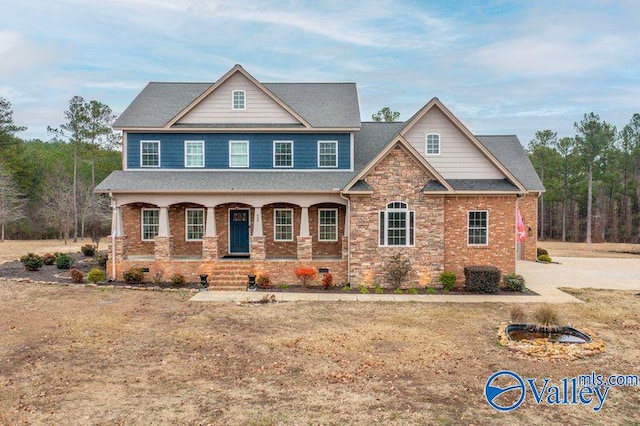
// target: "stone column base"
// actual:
[[258, 248], [345, 247], [121, 245], [305, 248], [209, 248], [163, 249]]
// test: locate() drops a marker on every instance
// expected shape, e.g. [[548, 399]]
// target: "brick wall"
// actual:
[[326, 248], [177, 228], [131, 224], [529, 211], [280, 249]]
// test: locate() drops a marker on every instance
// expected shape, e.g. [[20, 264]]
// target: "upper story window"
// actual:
[[397, 225], [194, 224], [194, 153], [478, 228], [282, 154], [238, 153], [433, 144], [327, 153], [239, 100], [149, 153], [327, 224], [150, 224]]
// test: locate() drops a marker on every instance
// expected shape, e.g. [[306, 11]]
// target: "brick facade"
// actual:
[[529, 211]]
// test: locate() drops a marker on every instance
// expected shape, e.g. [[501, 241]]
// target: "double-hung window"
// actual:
[[432, 144], [327, 224], [397, 225], [194, 153], [327, 154], [194, 224], [282, 153], [478, 228], [238, 153], [283, 224], [150, 224], [239, 100], [149, 153]]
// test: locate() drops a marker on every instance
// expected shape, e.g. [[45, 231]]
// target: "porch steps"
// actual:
[[230, 275]]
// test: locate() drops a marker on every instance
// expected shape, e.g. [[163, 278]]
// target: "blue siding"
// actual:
[[305, 149]]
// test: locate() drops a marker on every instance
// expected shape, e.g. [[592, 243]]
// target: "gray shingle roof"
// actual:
[[482, 185]]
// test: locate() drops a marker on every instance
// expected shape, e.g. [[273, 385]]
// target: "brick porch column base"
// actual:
[[305, 249], [209, 248], [122, 246], [258, 248], [163, 249]]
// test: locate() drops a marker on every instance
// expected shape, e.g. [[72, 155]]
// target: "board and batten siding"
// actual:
[[216, 149], [260, 108], [458, 158]]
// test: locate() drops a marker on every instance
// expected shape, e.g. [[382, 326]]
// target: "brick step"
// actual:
[[228, 288]]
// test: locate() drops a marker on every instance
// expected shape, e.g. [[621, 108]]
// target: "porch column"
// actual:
[[210, 239], [305, 249], [118, 244], [164, 241], [258, 250]]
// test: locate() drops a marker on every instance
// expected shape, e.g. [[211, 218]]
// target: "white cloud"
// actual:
[[115, 84], [18, 54]]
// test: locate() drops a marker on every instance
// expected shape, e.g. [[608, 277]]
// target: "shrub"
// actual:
[[431, 290], [482, 279], [398, 291], [96, 275], [76, 276], [397, 269], [412, 291], [63, 261], [518, 314], [378, 289], [544, 258], [32, 262], [283, 286], [327, 281], [305, 274], [448, 280], [88, 249], [346, 288], [514, 282], [49, 259], [546, 317], [178, 279], [363, 289], [263, 281], [133, 276], [540, 251], [102, 259]]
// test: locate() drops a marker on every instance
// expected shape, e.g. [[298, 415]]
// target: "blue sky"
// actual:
[[502, 67]]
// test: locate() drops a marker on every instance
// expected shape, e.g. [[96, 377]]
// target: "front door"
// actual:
[[239, 231]]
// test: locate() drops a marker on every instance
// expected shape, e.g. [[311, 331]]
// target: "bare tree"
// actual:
[[57, 200]]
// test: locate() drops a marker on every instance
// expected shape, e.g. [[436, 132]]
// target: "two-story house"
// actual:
[[241, 176]]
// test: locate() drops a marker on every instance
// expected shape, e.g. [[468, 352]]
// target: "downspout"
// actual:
[[348, 216]]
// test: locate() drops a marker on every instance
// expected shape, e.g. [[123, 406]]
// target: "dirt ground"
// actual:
[[617, 250], [77, 355]]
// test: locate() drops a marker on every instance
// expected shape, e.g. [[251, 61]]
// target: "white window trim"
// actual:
[[477, 245], [337, 222], [386, 221], [274, 225], [274, 155], [142, 238], [244, 104], [238, 167], [186, 223], [439, 144], [147, 141], [328, 167], [185, 154]]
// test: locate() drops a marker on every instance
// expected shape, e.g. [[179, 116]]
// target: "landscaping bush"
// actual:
[[96, 275], [32, 262], [263, 281], [88, 249], [514, 282], [546, 316], [448, 280], [133, 276], [327, 281], [49, 259], [178, 279], [544, 258], [397, 270], [540, 251], [102, 259], [63, 261], [482, 279], [305, 274], [76, 276], [518, 314]]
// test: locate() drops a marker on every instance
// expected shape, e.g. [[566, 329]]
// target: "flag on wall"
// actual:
[[521, 233]]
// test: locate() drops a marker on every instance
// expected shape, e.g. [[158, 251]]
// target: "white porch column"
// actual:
[[257, 221], [304, 222], [163, 226], [210, 226]]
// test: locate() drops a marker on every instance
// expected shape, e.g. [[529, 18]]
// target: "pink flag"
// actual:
[[521, 233]]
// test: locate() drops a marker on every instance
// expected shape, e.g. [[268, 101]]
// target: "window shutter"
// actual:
[[381, 228], [412, 227]]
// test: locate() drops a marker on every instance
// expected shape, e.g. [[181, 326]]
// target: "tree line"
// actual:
[[46, 187], [592, 181]]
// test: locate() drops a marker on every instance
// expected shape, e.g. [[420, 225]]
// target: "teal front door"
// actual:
[[239, 231]]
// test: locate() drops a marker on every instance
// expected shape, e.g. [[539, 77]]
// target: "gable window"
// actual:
[[238, 101], [433, 144], [478, 228], [150, 224], [283, 224], [150, 153], [327, 154], [194, 224], [238, 153], [282, 154], [397, 225], [328, 225], [194, 153]]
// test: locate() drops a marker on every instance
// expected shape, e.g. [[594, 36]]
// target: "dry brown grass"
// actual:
[[616, 250], [13, 249], [73, 355]]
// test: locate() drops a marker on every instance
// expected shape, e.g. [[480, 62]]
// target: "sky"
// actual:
[[502, 67]]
